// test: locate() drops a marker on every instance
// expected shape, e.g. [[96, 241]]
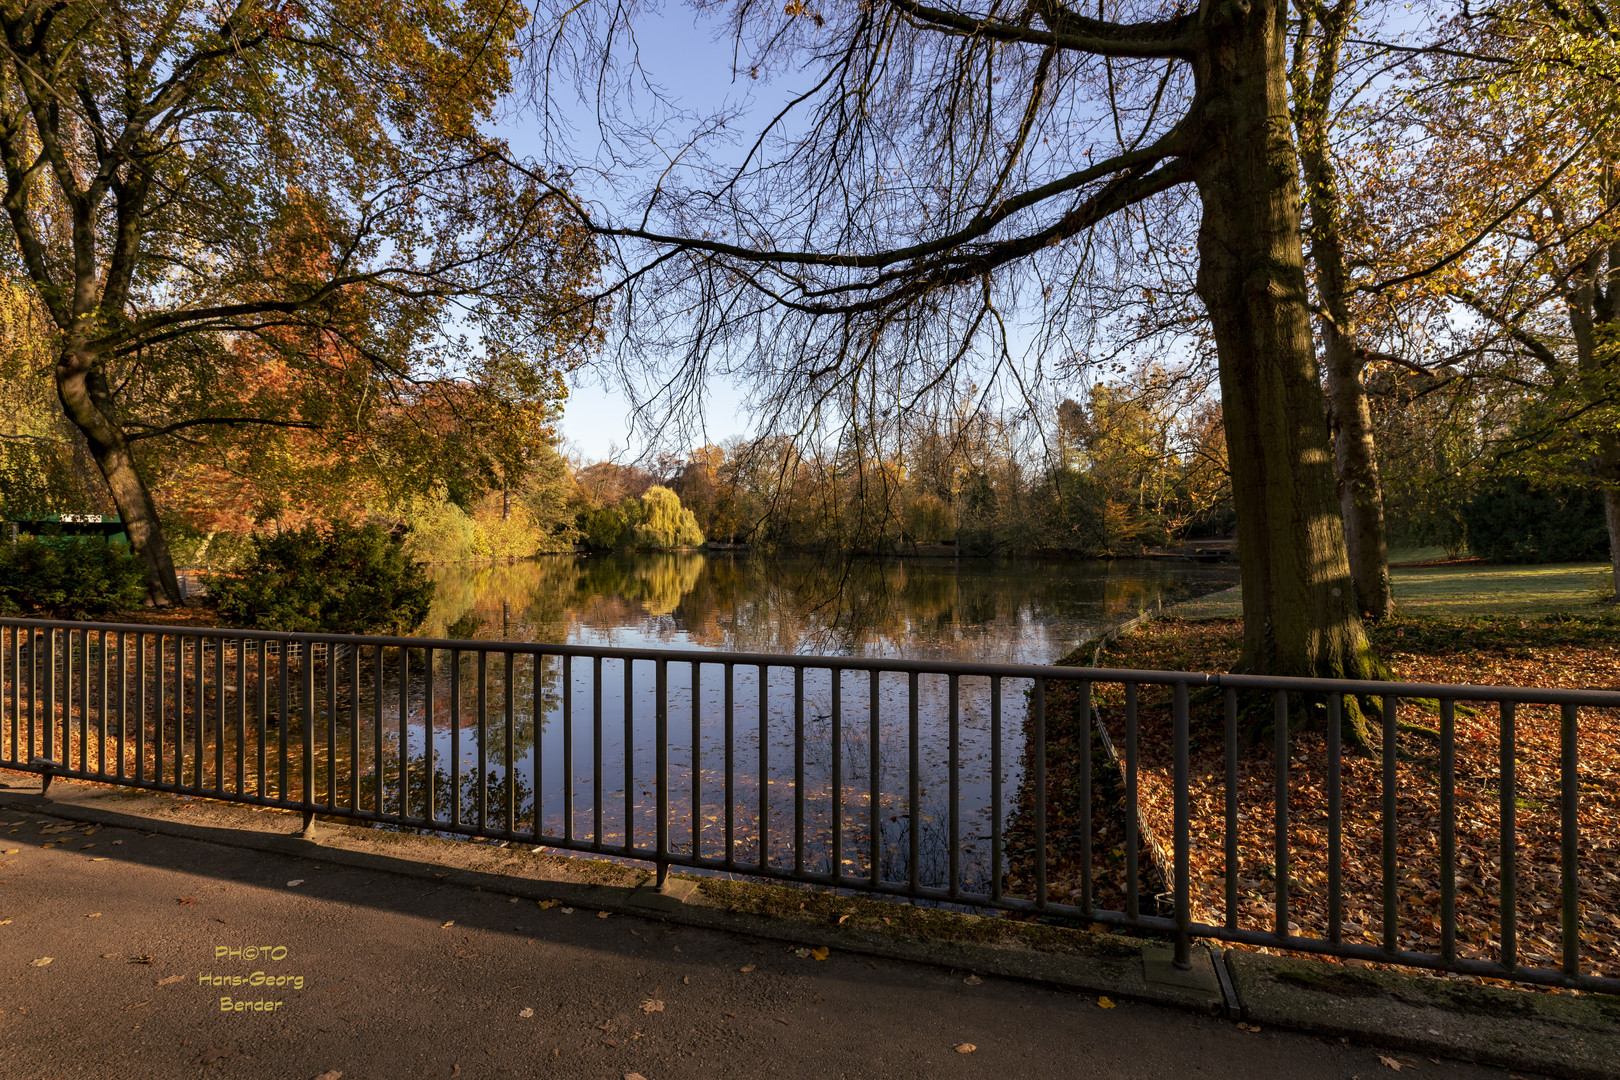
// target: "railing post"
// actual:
[[661, 781], [1183, 840]]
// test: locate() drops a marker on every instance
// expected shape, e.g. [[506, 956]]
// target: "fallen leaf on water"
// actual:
[[448, 925], [295, 882], [1104, 1003], [966, 1048], [746, 968], [526, 1013], [820, 953], [652, 1005], [41, 962], [170, 980], [973, 980]]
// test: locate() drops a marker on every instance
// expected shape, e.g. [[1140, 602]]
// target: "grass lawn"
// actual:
[[1458, 591]]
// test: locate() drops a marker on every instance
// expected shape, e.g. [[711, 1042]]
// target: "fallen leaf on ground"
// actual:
[[568, 911], [601, 914], [99, 858], [337, 1074], [295, 882], [652, 1005], [137, 1005], [1248, 1027], [1104, 1003], [1391, 1063], [634, 1076], [185, 899], [140, 959], [170, 980], [802, 954], [819, 953], [973, 980], [215, 1053], [448, 925], [41, 962], [526, 1013], [10, 851], [93, 915], [966, 1048], [746, 968], [779, 1020], [729, 1015], [117, 842], [842, 919], [547, 905]]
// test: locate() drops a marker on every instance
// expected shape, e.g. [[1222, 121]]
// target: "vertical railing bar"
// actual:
[[697, 759], [1038, 733], [1569, 827], [160, 734], [241, 715], [306, 719], [179, 710], [798, 768], [483, 740], [17, 754], [140, 707], [596, 755], [661, 765], [354, 728], [536, 756], [837, 772], [995, 790], [874, 778], [1335, 793], [1183, 829], [913, 794], [379, 784], [84, 695], [331, 725], [1231, 853], [1280, 867], [1448, 829], [283, 654], [405, 733], [200, 717], [953, 792], [764, 766], [1509, 838], [730, 673], [1133, 883], [568, 746], [123, 703], [101, 707], [1391, 830], [1087, 886], [455, 736], [509, 714], [262, 657], [629, 755]]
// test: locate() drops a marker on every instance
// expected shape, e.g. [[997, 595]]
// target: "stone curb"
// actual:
[[1576, 1036]]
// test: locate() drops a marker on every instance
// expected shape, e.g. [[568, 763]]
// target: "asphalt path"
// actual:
[[107, 935]]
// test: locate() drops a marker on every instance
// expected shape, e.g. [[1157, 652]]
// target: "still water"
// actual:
[[876, 777]]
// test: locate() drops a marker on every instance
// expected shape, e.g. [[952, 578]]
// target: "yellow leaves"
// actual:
[[447, 925], [1105, 1003], [41, 962], [819, 953], [965, 1048], [547, 905]]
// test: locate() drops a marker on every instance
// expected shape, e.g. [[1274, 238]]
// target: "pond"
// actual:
[[848, 775]]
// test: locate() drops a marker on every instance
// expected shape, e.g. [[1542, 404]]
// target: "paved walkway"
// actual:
[[405, 978]]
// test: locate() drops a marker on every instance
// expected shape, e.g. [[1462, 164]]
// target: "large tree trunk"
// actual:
[[1299, 612], [85, 397], [1355, 467]]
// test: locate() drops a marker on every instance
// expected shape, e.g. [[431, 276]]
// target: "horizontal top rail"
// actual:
[[1453, 691]]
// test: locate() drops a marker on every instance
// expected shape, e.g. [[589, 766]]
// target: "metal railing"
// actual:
[[926, 780]]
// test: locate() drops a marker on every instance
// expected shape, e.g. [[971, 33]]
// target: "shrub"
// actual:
[[339, 580], [1509, 520], [70, 576]]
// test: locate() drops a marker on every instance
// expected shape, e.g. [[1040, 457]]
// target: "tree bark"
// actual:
[[1299, 611], [88, 403]]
